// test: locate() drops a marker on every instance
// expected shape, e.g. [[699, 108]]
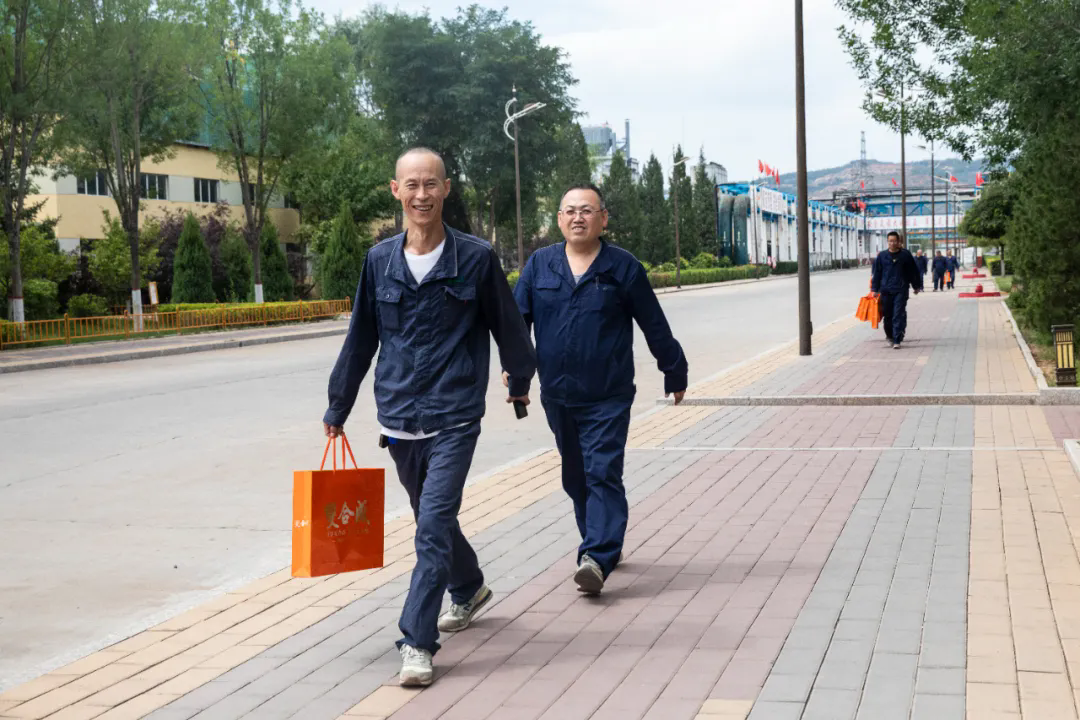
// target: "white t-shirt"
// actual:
[[419, 266]]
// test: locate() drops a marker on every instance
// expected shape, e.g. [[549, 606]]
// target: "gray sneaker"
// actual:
[[589, 577], [416, 668], [458, 617]]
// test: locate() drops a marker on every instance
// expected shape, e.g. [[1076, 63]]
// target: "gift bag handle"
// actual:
[[344, 446]]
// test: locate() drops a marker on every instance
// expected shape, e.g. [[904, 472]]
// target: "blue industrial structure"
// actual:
[[757, 225]]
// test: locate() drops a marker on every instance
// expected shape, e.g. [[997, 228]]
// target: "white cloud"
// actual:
[[718, 74]]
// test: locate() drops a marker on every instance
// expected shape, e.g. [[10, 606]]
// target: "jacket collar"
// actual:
[[446, 267], [601, 264]]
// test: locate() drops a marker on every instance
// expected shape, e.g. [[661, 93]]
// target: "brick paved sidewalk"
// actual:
[[802, 562]]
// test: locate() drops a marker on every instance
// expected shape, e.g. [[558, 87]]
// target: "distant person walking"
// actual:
[[922, 261], [895, 272], [941, 265], [954, 265]]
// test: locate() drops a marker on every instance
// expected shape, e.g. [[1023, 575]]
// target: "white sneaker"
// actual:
[[415, 667], [589, 577], [458, 617]]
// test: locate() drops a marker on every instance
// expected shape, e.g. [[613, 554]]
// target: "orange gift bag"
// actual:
[[862, 313], [337, 517]]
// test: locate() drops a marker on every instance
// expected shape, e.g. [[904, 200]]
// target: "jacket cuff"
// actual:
[[674, 382], [519, 387], [334, 418]]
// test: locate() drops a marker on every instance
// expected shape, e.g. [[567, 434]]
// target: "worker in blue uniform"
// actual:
[[922, 261], [895, 271], [430, 300], [954, 266], [941, 265], [582, 297]]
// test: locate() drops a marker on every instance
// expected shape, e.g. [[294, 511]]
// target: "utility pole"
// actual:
[[933, 205], [511, 119], [802, 195], [675, 197], [903, 169]]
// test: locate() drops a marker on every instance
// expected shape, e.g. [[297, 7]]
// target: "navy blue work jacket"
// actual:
[[941, 264], [584, 332], [433, 367], [893, 272]]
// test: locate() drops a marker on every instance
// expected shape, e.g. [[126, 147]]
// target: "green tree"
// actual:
[[193, 272], [135, 109], [341, 264], [352, 167], [572, 167], [988, 220], [41, 259], [279, 284], [689, 237], [110, 257], [705, 209], [626, 224], [40, 42], [280, 81], [236, 257], [659, 240]]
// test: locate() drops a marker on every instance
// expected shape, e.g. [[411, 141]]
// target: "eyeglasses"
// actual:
[[586, 212]]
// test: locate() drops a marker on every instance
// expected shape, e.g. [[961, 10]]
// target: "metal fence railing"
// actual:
[[73, 329]]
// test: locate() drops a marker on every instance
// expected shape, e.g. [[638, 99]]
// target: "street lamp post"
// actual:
[[903, 162], [802, 196], [933, 202], [511, 119], [675, 197]]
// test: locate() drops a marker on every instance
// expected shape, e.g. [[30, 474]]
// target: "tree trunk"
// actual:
[[16, 307], [1002, 271]]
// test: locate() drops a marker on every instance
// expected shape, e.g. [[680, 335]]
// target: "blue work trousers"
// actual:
[[433, 472], [894, 314], [592, 442]]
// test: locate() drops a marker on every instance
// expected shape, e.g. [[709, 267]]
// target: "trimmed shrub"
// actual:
[[40, 299], [704, 260], [343, 260], [277, 283], [87, 305], [725, 262], [193, 270], [239, 276], [710, 275], [786, 268]]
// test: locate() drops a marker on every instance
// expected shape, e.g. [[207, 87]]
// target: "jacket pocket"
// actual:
[[459, 303], [602, 297], [389, 304]]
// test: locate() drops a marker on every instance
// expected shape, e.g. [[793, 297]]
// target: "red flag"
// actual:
[[760, 167], [862, 185], [978, 179], [894, 181], [768, 170], [952, 178], [776, 177]]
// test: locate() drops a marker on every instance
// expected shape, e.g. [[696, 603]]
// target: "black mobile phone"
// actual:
[[520, 410]]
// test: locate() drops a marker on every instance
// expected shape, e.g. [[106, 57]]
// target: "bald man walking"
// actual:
[[428, 300]]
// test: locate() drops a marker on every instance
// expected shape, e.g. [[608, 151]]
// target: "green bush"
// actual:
[[725, 262], [647, 265], [343, 261], [87, 305], [668, 267], [710, 275], [512, 278], [239, 277], [193, 270], [786, 268], [704, 260], [994, 266], [40, 299], [277, 283]]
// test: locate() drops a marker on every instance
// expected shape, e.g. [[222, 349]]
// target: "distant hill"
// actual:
[[822, 183]]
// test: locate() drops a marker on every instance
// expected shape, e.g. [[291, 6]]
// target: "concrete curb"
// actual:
[[1072, 449], [1033, 367], [144, 353], [863, 400]]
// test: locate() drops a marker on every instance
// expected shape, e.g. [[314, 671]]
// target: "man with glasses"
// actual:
[[581, 297]]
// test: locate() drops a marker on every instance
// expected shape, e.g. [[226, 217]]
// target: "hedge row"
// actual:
[[694, 276]]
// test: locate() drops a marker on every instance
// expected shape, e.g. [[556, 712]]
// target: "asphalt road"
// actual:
[[133, 491]]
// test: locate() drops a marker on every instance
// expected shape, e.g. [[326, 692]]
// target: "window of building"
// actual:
[[206, 191], [92, 185], [155, 187], [290, 202]]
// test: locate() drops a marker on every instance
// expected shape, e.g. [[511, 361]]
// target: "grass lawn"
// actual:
[[1004, 283]]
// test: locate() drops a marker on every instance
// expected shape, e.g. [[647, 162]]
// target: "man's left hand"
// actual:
[[678, 396], [524, 399]]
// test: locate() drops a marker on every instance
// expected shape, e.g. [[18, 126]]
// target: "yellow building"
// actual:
[[189, 181]]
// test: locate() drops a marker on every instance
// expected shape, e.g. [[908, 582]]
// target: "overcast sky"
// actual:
[[717, 74]]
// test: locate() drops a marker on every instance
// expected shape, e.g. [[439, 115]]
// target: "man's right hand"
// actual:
[[506, 379], [332, 431]]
